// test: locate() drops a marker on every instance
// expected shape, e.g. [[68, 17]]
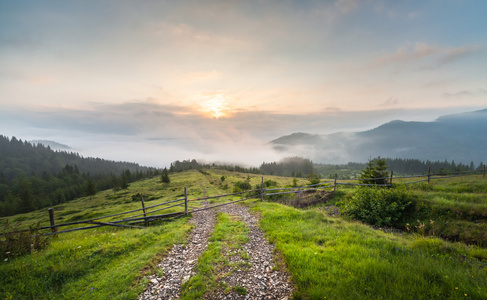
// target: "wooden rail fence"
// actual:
[[145, 214]]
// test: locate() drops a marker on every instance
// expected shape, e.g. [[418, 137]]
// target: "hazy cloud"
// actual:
[[346, 6], [466, 93], [422, 51]]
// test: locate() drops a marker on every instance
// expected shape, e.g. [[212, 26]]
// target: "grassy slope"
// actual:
[[106, 263], [328, 257], [335, 259]]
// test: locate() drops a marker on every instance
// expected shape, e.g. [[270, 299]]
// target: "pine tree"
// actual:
[[375, 172], [123, 182], [165, 176], [90, 188]]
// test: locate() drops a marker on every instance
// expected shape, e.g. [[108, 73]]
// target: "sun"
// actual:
[[215, 107]]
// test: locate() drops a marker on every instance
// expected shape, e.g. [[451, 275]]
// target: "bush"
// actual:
[[269, 183], [379, 206], [243, 186], [18, 243]]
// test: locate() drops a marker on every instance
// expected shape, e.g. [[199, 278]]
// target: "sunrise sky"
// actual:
[[156, 81]]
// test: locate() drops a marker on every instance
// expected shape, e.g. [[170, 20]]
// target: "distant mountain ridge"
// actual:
[[460, 137]]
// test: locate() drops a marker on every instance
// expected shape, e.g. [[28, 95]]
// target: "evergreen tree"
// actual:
[[123, 182], [165, 176], [375, 172], [90, 188]]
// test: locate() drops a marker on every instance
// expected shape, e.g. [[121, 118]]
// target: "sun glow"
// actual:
[[215, 107]]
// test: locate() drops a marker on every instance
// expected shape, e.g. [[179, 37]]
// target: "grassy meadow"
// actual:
[[329, 256]]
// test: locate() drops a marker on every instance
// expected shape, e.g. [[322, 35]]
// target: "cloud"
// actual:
[[346, 6], [390, 102], [466, 94], [452, 54], [420, 52]]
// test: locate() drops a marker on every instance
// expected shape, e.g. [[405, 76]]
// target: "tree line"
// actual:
[[305, 168], [35, 176]]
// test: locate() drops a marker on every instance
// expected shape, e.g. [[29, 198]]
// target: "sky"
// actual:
[[157, 81]]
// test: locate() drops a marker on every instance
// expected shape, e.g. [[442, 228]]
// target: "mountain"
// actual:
[[460, 137]]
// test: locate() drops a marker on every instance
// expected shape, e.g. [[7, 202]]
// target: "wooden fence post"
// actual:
[[335, 184], [52, 220], [483, 174], [143, 209], [392, 174], [429, 174], [262, 189], [185, 200]]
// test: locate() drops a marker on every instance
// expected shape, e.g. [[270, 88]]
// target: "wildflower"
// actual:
[[6, 259], [7, 253], [456, 288], [79, 247]]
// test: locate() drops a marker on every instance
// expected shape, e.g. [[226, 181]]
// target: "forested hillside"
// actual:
[[35, 176]]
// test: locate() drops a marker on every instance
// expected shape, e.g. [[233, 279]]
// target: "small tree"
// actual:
[[124, 182], [375, 172], [165, 176], [90, 187], [313, 178]]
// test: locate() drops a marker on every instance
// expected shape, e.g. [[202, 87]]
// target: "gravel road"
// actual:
[[259, 280]]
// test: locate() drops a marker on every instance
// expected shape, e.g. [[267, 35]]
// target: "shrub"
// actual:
[[378, 206], [19, 242], [269, 183], [243, 185]]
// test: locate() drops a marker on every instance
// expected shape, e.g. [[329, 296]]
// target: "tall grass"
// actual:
[[335, 259], [101, 264]]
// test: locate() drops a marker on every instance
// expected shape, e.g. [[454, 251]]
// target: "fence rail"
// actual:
[[146, 217]]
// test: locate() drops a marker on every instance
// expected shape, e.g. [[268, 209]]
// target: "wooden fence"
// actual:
[[145, 214]]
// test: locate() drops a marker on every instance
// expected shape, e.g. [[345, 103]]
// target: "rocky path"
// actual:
[[256, 275], [262, 280], [178, 265]]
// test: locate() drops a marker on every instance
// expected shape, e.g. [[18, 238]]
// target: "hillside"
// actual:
[[34, 176], [459, 137], [327, 255]]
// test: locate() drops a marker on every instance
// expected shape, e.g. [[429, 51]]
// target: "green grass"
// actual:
[[336, 259], [104, 264], [229, 234], [328, 257], [106, 259]]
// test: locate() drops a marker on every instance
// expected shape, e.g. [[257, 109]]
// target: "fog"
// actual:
[[156, 135]]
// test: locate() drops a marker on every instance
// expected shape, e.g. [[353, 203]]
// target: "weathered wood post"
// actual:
[[262, 189], [392, 174], [483, 173], [143, 209], [51, 219], [429, 174], [185, 200], [335, 184]]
